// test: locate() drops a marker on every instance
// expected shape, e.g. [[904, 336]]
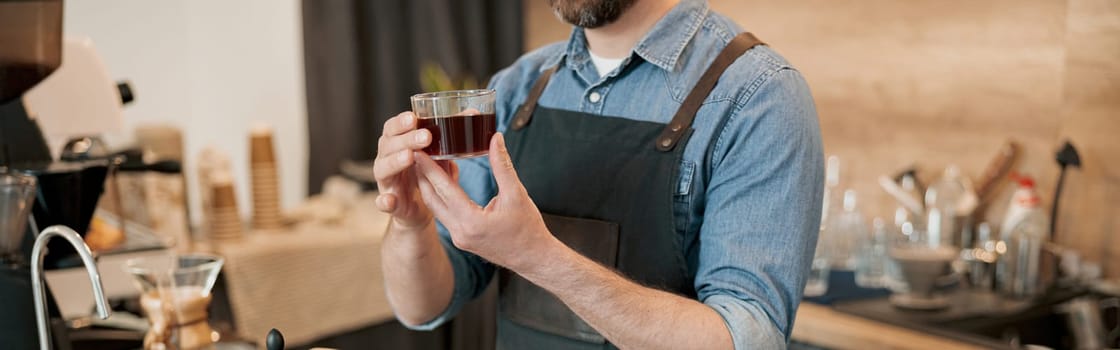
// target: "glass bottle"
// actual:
[[872, 266]]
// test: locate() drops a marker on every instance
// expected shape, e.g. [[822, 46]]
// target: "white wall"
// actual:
[[213, 68]]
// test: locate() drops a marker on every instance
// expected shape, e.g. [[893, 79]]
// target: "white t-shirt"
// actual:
[[605, 65]]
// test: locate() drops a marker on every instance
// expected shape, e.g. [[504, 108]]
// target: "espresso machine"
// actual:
[[36, 192]]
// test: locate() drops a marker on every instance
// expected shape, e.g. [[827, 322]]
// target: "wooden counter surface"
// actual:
[[822, 326]]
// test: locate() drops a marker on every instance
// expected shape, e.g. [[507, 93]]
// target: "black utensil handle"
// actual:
[[274, 341]]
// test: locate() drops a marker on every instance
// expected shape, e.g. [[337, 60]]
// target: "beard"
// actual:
[[589, 13]]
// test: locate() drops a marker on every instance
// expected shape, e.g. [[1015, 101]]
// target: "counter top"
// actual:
[[823, 326]]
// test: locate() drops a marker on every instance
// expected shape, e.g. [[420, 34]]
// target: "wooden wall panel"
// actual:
[[938, 82], [1091, 117]]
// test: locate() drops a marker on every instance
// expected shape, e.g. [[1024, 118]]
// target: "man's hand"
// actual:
[[508, 231], [419, 279], [393, 170]]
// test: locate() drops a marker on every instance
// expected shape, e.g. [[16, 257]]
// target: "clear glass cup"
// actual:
[[17, 194], [461, 122], [871, 269], [175, 296], [845, 231]]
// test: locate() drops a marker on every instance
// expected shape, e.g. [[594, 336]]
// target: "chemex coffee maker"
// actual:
[[36, 191]]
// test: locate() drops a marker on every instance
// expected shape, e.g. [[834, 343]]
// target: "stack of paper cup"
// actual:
[[225, 222], [266, 186], [211, 161]]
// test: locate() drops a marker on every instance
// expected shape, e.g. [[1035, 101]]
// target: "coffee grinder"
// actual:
[[61, 193]]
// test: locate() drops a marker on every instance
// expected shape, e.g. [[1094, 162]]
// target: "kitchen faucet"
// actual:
[[37, 253]]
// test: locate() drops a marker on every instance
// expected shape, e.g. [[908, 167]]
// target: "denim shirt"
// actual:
[[750, 207]]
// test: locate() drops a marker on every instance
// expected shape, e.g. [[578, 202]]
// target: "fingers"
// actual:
[[402, 123], [446, 188], [412, 140], [386, 167], [502, 165], [394, 153], [386, 202], [431, 198]]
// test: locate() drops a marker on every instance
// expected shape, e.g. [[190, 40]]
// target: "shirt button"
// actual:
[[594, 97]]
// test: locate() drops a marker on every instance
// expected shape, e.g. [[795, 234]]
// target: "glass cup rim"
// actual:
[[16, 178], [448, 94], [131, 266]]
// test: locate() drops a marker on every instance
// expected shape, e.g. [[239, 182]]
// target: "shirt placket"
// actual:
[[595, 96]]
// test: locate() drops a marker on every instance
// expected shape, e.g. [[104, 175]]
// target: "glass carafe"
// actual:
[[175, 296]]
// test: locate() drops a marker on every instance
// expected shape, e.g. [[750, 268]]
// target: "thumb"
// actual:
[[502, 165]]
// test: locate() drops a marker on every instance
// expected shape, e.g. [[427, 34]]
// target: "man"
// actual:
[[656, 185]]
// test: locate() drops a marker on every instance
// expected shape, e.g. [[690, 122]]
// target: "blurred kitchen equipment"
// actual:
[[84, 148], [1083, 317], [1024, 234], [905, 197], [872, 267], [921, 267], [912, 173], [831, 200], [981, 258], [845, 233], [1074, 271], [955, 200], [37, 253], [17, 193], [1024, 201], [939, 219], [817, 283], [78, 98], [175, 295], [997, 168], [32, 50], [1066, 157], [93, 100], [956, 189], [67, 194], [32, 47]]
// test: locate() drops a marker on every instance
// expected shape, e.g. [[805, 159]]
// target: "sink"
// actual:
[[983, 318]]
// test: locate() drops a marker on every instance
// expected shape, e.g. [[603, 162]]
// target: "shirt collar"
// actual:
[[662, 46]]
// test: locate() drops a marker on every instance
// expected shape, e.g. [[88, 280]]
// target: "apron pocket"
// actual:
[[531, 306]]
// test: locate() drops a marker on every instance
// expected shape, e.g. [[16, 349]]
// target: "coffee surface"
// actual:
[[459, 135]]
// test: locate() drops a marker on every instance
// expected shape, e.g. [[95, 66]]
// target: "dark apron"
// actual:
[[605, 186]]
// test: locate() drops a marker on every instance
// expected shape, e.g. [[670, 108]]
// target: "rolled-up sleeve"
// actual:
[[762, 212]]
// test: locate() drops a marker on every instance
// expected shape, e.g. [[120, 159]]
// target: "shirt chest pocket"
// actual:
[[684, 182]]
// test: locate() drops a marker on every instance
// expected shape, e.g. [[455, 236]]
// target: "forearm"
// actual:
[[419, 280], [628, 314]]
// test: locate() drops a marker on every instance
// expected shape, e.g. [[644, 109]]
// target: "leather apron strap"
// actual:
[[526, 111], [687, 112]]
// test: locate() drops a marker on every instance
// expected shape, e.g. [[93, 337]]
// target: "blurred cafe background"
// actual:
[[982, 135]]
